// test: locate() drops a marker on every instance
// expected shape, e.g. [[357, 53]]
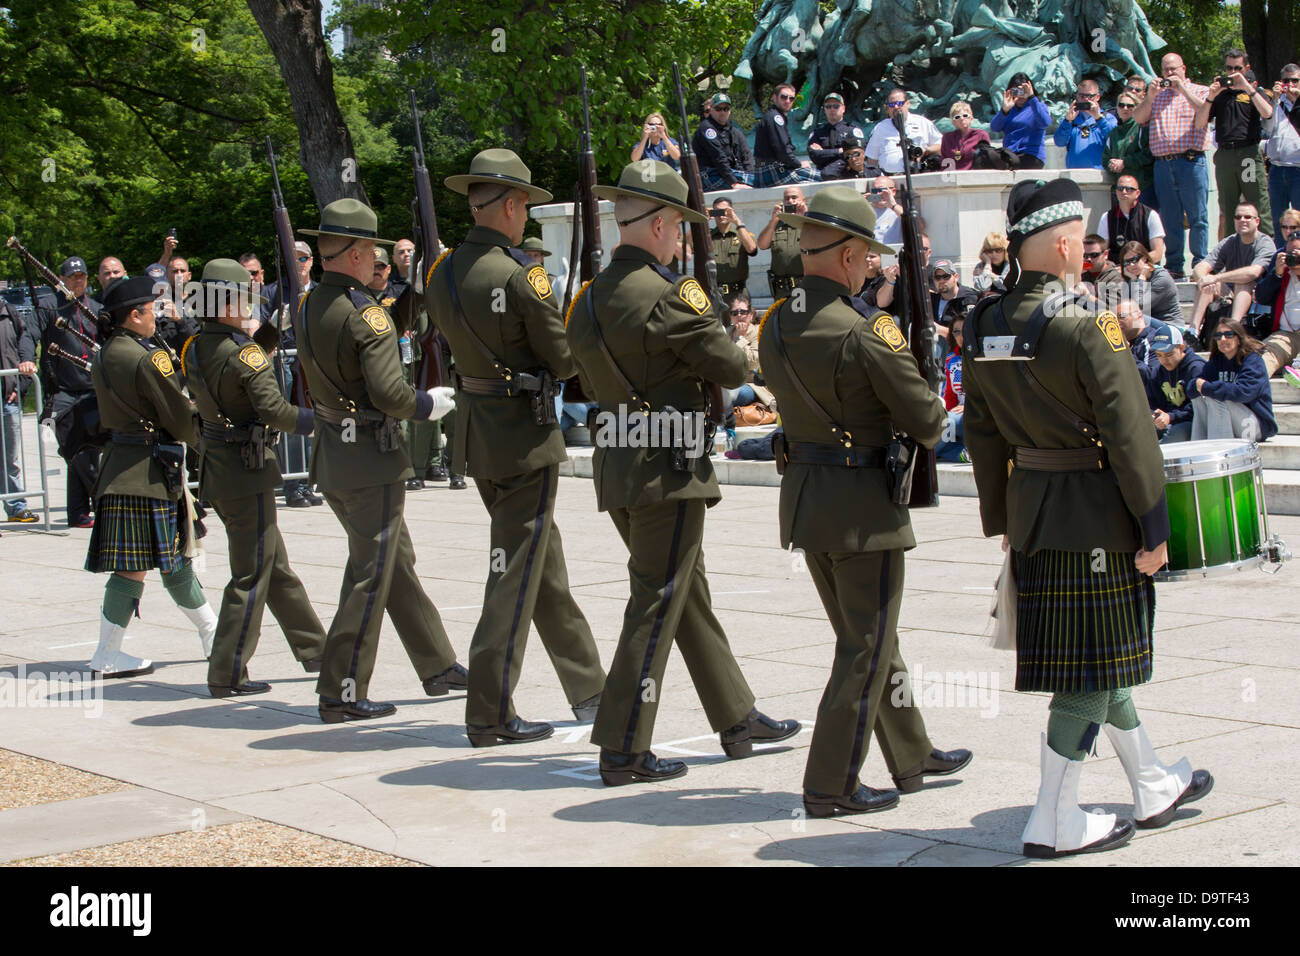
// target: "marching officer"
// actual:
[[846, 383], [349, 352], [142, 508], [496, 307], [67, 385], [241, 410], [733, 245], [537, 251], [644, 337], [1070, 475], [783, 239]]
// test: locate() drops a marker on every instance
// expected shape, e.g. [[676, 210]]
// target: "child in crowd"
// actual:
[[950, 447], [1170, 389]]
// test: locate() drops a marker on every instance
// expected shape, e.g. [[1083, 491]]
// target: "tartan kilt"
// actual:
[[133, 533], [1080, 630]]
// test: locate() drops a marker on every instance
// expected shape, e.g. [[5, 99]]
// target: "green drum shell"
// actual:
[[1212, 495]]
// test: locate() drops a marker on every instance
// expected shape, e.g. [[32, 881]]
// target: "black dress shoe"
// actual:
[[1119, 834], [313, 499], [313, 664], [738, 741], [1202, 783], [940, 763], [586, 710], [454, 677], [414, 484], [297, 500], [457, 482], [138, 672], [864, 800], [334, 711], [435, 473], [617, 769], [517, 731], [243, 690]]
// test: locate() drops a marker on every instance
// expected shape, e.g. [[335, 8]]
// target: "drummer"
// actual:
[[1083, 512]]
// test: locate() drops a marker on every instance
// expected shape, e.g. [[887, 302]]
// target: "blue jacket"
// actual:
[[1246, 383], [1172, 392], [1022, 129], [1147, 362], [1084, 139]]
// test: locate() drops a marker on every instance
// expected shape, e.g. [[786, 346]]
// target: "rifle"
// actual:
[[574, 248], [290, 286], [591, 251], [925, 477], [425, 226], [55, 282], [706, 268]]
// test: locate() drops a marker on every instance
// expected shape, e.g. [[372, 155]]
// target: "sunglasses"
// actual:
[[895, 104], [834, 106], [1132, 260], [742, 311], [1126, 189], [1126, 106], [962, 116], [724, 108], [1089, 256], [1225, 335], [942, 276], [1087, 96], [1290, 80], [1245, 217], [785, 96], [304, 258]]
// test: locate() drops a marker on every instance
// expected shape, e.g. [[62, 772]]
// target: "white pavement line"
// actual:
[[977, 587], [461, 607], [59, 647]]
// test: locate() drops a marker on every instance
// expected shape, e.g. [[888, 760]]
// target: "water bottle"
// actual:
[[404, 345]]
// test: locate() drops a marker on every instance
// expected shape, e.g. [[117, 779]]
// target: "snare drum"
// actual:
[[1217, 520]]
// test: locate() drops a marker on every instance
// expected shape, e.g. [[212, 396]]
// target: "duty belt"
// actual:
[[133, 438], [520, 382], [1061, 459], [781, 285], [229, 433], [827, 453], [339, 416], [726, 289], [1186, 154]]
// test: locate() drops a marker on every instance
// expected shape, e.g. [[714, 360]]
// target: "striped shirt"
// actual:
[[1172, 124]]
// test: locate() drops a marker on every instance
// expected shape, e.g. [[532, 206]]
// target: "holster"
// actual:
[[900, 462], [171, 458], [252, 452], [780, 451], [543, 400], [389, 434]]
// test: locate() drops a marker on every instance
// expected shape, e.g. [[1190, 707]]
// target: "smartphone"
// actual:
[[172, 232]]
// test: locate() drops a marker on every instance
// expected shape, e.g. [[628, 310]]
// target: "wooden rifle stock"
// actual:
[[289, 284], [426, 254], [920, 322], [575, 248]]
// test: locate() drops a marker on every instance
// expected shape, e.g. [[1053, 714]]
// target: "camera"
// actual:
[[1081, 107], [1293, 258], [1018, 91], [172, 232], [915, 153], [1165, 84], [790, 207]]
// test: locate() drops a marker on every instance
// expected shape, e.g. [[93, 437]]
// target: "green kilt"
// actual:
[[1080, 630], [133, 533]]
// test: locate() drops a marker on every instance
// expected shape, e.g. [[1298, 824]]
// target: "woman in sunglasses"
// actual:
[[1150, 284], [957, 149], [1233, 398]]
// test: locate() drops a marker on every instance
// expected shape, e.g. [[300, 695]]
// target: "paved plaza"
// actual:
[[410, 786]]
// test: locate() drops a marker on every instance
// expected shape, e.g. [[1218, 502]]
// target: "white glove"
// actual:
[[443, 402]]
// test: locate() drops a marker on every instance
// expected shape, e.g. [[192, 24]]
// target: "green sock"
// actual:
[[184, 587], [121, 597], [1074, 721], [1121, 713]]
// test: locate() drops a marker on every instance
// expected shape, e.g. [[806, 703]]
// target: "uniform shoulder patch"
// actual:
[[377, 319], [574, 304], [538, 280], [162, 362], [887, 330], [436, 262], [778, 120], [770, 310], [1109, 325], [253, 357], [693, 295]]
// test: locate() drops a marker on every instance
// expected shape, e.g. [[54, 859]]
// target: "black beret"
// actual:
[[125, 293], [1035, 205]]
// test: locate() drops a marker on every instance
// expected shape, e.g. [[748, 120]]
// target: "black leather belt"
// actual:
[[825, 453], [128, 438], [1061, 459], [1244, 144], [1187, 154], [230, 434], [726, 289], [498, 387], [339, 416]]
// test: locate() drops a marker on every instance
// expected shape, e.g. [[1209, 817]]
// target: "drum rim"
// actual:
[[1215, 570], [1179, 471]]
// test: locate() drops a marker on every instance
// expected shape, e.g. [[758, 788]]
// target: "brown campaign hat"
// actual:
[[350, 218], [498, 166], [842, 208], [654, 181]]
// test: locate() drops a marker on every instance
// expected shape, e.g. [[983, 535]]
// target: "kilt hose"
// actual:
[[134, 533], [1080, 630]]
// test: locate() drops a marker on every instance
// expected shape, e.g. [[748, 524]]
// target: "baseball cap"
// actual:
[[833, 96], [72, 265], [1166, 337], [946, 266], [719, 98], [156, 272], [381, 256], [302, 248]]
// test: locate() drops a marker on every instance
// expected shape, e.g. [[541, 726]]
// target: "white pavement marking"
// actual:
[[59, 647]]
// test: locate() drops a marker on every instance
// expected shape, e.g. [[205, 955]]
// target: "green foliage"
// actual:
[[1200, 31]]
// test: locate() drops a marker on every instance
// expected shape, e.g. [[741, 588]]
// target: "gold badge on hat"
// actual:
[[377, 319], [1109, 325], [694, 296], [886, 329], [537, 279], [253, 357], [162, 362]]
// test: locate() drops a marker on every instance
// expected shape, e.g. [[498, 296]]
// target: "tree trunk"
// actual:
[[293, 31], [1268, 31]]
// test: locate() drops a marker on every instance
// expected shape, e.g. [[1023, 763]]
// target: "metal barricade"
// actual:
[[13, 430], [293, 451]]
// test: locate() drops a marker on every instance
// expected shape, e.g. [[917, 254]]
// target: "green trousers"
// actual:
[[260, 576], [669, 603], [868, 691], [1239, 176], [527, 583], [381, 564], [423, 439]]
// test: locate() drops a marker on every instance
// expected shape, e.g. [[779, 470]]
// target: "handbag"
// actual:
[[1002, 615], [754, 414]]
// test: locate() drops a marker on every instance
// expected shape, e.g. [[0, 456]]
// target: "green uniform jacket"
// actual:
[[145, 379], [664, 335], [1129, 141], [511, 306], [242, 385], [731, 258], [1085, 362], [352, 338], [786, 258], [864, 375]]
